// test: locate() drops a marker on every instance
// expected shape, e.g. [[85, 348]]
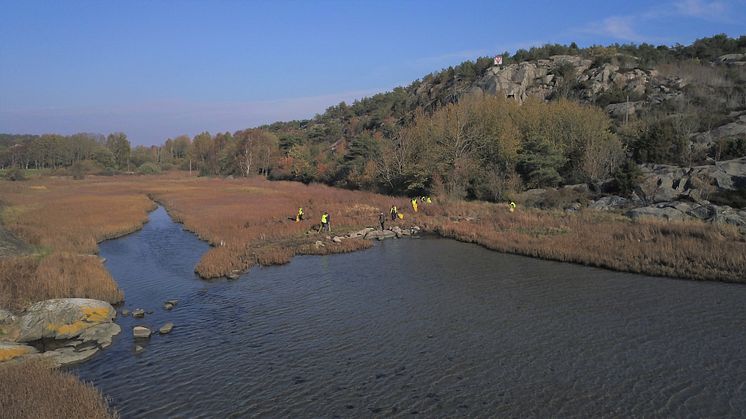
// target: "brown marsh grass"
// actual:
[[693, 250], [63, 221], [251, 221], [35, 390]]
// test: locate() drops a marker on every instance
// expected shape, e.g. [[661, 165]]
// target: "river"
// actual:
[[416, 326]]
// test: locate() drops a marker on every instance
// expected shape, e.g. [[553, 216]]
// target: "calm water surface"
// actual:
[[430, 326]]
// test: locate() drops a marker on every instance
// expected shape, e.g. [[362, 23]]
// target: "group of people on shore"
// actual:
[[325, 220], [393, 212]]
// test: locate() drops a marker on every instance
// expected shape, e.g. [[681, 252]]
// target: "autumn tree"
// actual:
[[119, 146]]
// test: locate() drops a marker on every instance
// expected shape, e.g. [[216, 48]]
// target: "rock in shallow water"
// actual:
[[138, 313], [141, 332], [166, 328]]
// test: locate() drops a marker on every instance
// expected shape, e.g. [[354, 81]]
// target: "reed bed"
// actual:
[[692, 250], [63, 221], [34, 389], [251, 221]]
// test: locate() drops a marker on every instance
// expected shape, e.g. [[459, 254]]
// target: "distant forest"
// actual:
[[413, 141]]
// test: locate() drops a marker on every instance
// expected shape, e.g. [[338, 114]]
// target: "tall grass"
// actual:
[[693, 250], [35, 390], [64, 221], [251, 221]]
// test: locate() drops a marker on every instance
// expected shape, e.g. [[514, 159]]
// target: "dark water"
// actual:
[[428, 326]]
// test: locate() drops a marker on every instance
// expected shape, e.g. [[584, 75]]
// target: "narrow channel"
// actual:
[[431, 326]]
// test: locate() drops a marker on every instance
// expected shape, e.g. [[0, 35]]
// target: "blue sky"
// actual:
[[157, 69]]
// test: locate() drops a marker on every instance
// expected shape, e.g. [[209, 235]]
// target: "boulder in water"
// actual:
[[166, 328], [138, 313], [141, 332]]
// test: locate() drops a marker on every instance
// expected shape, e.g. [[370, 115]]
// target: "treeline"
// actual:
[[52, 151], [482, 148], [645, 55]]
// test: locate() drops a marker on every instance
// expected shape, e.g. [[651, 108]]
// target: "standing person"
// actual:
[[382, 220], [394, 212], [299, 217], [512, 206], [324, 222], [414, 204]]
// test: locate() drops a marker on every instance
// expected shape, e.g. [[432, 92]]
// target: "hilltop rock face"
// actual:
[[63, 318], [542, 79]]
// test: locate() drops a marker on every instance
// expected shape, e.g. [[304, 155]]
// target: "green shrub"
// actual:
[[15, 174], [77, 171], [731, 148], [627, 178], [148, 169]]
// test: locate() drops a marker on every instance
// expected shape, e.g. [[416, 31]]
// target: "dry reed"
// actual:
[[251, 221], [63, 221], [35, 390]]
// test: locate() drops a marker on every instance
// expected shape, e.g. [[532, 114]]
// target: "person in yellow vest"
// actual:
[[512, 206], [414, 204], [394, 212], [299, 217], [325, 222], [428, 200]]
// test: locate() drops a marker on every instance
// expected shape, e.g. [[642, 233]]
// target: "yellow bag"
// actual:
[[400, 215]]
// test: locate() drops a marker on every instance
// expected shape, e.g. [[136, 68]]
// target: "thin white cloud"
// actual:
[[625, 27], [617, 27], [712, 10]]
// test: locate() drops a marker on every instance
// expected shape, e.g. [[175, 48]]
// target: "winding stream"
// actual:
[[429, 326]]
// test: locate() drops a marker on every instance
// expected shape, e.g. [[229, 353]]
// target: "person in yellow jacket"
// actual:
[[428, 200], [325, 220], [299, 217], [414, 204], [512, 206], [394, 212]]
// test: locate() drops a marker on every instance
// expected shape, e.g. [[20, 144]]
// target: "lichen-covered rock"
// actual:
[[380, 235], [71, 355], [668, 213], [608, 203], [63, 318], [101, 334], [6, 317], [12, 350], [361, 233]]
